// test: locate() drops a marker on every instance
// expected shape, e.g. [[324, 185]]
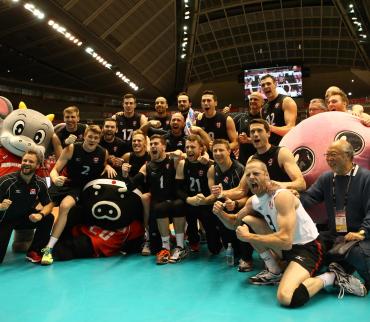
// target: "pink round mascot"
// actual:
[[310, 139]]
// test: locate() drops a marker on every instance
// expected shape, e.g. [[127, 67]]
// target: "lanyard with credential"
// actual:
[[340, 215]]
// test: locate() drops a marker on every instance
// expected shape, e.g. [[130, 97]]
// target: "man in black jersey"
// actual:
[[215, 123], [191, 177], [161, 114], [19, 194], [70, 132], [246, 148], [133, 161], [280, 111], [84, 162], [129, 120], [115, 146], [282, 167], [139, 156], [226, 174], [160, 177]]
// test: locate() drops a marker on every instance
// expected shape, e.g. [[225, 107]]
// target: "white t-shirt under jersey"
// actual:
[[305, 231]]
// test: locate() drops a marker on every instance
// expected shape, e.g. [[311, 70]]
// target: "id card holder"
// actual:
[[340, 221]]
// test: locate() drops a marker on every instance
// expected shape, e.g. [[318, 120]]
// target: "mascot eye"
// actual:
[[357, 141], [305, 158], [39, 136], [96, 193], [18, 127]]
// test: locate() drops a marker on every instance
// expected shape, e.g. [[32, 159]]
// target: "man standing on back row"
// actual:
[[280, 111]]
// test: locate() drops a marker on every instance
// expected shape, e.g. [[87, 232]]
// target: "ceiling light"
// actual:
[[351, 5], [187, 17], [185, 27], [183, 56], [352, 80], [349, 93], [51, 22], [79, 43], [354, 18]]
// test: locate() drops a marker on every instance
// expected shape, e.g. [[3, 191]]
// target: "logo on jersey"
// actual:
[[96, 159], [134, 123], [17, 191], [218, 124], [115, 149], [200, 173], [226, 180], [167, 166], [32, 191], [269, 162], [277, 105], [271, 204], [78, 159], [300, 258]]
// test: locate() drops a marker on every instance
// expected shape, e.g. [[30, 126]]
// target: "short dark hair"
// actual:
[[259, 121], [268, 76], [184, 94], [222, 141], [160, 137], [129, 95], [210, 92]]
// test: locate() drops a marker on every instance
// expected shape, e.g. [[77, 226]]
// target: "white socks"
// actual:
[[180, 240], [166, 242], [270, 262], [52, 242], [327, 278]]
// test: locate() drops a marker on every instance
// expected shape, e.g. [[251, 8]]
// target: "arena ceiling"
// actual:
[[144, 40]]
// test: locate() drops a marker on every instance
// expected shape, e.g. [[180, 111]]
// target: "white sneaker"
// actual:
[[178, 254], [347, 283], [146, 249]]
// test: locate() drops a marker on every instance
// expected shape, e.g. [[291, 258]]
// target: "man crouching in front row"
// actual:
[[284, 231]]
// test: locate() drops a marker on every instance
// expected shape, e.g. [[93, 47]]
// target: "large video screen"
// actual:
[[289, 79]]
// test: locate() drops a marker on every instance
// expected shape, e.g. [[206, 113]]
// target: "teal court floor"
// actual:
[[132, 288]]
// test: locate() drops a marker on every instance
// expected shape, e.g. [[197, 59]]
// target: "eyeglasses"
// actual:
[[332, 154]]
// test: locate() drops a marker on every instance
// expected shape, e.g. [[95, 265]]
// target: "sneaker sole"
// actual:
[[45, 264], [264, 283], [32, 260], [162, 263]]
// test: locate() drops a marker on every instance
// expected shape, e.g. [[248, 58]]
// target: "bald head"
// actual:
[[256, 101]]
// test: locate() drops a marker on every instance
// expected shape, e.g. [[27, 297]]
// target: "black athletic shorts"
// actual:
[[310, 256], [57, 194]]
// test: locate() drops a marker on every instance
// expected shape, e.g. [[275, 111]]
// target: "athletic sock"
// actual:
[[166, 242], [270, 262], [327, 278], [180, 240], [52, 242]]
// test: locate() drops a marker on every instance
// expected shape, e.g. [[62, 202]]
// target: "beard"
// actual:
[[27, 170]]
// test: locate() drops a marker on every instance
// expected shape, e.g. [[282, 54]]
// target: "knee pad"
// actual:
[[300, 296]]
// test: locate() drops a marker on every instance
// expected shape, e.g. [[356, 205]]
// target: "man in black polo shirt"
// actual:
[[19, 194]]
